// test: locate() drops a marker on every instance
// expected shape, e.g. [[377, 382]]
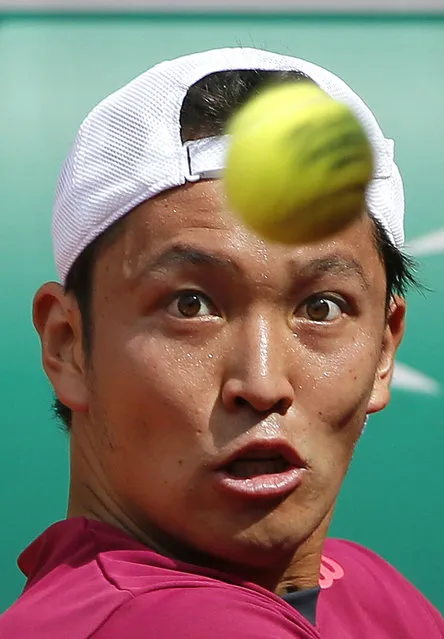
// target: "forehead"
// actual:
[[196, 216]]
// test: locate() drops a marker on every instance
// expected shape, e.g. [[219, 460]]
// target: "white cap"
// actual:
[[129, 149]]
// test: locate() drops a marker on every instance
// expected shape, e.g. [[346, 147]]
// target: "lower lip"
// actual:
[[262, 486]]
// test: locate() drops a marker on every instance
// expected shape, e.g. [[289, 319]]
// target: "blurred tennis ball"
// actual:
[[298, 164]]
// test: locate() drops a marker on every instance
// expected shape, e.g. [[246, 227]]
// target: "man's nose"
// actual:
[[257, 372]]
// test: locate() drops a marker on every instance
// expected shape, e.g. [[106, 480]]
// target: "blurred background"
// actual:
[[57, 60]]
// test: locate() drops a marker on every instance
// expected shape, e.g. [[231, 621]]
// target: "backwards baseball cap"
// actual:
[[129, 149]]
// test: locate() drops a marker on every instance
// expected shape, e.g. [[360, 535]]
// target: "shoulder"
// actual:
[[169, 599], [206, 609], [358, 562], [368, 587]]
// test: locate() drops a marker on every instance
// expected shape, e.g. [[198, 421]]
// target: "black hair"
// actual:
[[205, 112]]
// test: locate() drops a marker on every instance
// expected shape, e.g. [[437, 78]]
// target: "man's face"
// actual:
[[218, 359]]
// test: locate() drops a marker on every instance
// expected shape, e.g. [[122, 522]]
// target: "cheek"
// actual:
[[333, 393], [343, 375], [152, 393]]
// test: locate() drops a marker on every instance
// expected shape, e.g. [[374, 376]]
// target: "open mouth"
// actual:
[[261, 471], [247, 467]]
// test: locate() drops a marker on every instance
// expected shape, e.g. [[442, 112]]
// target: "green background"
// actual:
[[52, 71]]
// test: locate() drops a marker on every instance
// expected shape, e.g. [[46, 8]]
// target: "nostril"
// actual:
[[262, 395], [282, 406]]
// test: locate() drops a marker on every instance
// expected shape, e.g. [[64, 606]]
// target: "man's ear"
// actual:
[[58, 321], [393, 334]]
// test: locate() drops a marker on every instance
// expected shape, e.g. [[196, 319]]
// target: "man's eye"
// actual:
[[191, 304], [323, 309]]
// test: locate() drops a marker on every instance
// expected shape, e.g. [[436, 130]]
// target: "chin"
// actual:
[[264, 544]]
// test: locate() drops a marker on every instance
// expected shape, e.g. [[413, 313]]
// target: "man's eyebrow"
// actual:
[[346, 267], [183, 255]]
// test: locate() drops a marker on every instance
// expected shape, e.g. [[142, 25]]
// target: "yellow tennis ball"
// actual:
[[298, 164]]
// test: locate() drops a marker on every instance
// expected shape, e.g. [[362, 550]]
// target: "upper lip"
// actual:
[[265, 449]]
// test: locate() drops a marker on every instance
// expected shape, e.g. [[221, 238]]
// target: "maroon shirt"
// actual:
[[88, 579]]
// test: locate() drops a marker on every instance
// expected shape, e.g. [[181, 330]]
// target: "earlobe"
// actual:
[[58, 322], [393, 333]]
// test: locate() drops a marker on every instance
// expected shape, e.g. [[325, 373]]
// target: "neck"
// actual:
[[302, 571]]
